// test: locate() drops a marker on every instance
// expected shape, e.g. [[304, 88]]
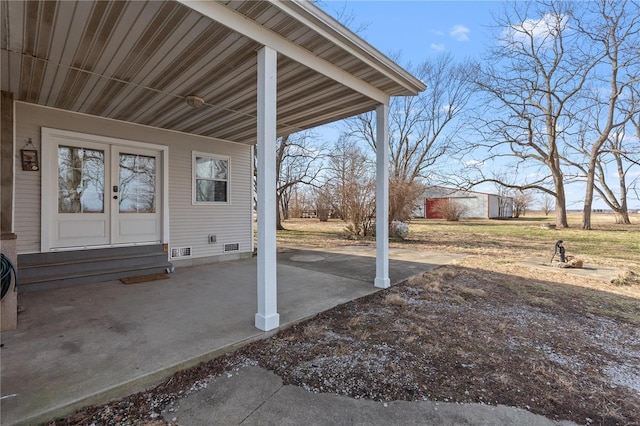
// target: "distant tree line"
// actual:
[[555, 101]]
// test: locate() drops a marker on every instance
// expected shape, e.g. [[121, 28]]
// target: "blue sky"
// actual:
[[419, 30], [422, 29]]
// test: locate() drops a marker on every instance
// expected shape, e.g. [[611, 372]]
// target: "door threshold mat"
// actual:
[[144, 278]]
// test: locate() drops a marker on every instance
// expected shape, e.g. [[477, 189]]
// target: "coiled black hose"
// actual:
[[6, 268]]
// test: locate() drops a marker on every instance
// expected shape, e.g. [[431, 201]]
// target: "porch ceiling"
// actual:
[[137, 61]]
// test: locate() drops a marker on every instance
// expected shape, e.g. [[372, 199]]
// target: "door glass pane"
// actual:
[[80, 180], [137, 177]]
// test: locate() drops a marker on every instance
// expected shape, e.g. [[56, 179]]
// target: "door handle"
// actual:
[[115, 188]]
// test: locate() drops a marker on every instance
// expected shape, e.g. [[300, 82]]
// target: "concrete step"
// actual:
[[33, 259], [43, 271]]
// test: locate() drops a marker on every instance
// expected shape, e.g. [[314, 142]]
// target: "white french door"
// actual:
[[135, 197], [105, 194]]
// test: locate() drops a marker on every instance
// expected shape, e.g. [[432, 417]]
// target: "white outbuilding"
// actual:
[[478, 205]]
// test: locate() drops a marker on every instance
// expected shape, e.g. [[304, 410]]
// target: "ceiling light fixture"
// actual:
[[194, 101]]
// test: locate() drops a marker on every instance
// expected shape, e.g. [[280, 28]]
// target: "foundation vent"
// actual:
[[232, 247], [180, 252]]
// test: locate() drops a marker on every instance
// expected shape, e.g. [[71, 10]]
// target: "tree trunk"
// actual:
[[285, 207], [279, 226], [588, 197], [622, 217], [622, 214], [561, 201]]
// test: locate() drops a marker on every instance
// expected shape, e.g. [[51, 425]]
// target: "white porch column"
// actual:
[[267, 317], [382, 197]]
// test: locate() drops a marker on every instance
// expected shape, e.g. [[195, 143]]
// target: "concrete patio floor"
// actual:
[[84, 345]]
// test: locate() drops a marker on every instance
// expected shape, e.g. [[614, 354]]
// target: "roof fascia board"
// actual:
[[243, 25], [331, 29]]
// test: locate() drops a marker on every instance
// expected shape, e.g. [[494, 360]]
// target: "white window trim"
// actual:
[[195, 154]]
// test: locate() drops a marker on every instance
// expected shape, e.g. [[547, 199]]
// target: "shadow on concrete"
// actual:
[[84, 345], [359, 262]]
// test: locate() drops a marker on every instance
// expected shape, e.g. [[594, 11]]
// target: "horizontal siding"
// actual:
[[192, 224], [189, 225], [27, 200]]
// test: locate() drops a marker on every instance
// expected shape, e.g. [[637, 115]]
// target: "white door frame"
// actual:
[[49, 170], [137, 226]]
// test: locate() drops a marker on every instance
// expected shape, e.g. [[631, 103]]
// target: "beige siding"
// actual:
[[27, 193], [189, 225]]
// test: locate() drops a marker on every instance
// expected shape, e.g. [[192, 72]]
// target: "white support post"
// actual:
[[267, 317], [382, 197]]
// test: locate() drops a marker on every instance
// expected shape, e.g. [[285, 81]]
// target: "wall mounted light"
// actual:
[[29, 156], [194, 101]]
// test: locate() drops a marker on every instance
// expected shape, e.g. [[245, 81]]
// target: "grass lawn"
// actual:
[[482, 330], [485, 329], [526, 235]]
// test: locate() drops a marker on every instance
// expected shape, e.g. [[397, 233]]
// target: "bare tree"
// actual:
[[450, 210], [298, 162], [343, 15], [323, 202], [546, 204], [616, 158], [505, 198], [350, 185], [531, 79], [521, 202], [623, 162], [417, 136], [518, 200], [404, 197], [614, 29]]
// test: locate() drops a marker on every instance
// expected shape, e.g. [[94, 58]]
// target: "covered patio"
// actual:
[[243, 72], [83, 345]]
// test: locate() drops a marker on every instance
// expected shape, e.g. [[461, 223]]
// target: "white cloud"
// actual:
[[535, 176], [439, 47], [542, 30], [460, 32], [474, 163]]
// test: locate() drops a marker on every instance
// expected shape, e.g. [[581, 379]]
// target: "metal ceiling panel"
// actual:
[[138, 60]]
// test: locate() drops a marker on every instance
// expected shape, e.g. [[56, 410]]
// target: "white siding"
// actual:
[[189, 225], [494, 206], [475, 202], [500, 207], [27, 193]]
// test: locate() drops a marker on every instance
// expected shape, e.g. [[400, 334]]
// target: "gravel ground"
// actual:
[[478, 331]]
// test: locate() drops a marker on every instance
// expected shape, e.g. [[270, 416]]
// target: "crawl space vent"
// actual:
[[232, 247], [180, 252]]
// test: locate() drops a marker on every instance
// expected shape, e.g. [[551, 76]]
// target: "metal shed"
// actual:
[[479, 205]]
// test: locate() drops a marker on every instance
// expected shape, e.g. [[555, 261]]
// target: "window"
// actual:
[[80, 180], [137, 183], [210, 178]]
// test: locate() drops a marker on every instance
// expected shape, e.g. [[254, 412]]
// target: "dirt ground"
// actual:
[[484, 330]]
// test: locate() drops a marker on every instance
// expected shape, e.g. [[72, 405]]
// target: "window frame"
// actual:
[[194, 178]]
